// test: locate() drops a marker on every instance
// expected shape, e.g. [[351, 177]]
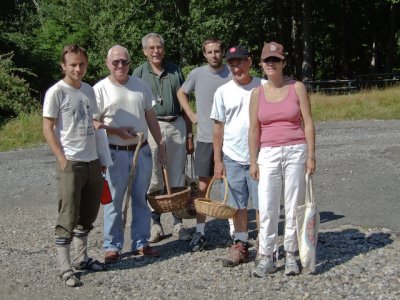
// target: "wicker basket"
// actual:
[[169, 202], [175, 199], [213, 208], [189, 211]]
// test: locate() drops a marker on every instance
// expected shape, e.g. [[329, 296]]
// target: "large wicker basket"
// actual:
[[175, 199], [213, 208]]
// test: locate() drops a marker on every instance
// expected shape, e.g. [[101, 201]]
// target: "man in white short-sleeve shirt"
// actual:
[[230, 113], [68, 127], [125, 108]]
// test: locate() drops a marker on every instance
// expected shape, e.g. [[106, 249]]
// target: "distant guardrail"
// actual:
[[358, 83]]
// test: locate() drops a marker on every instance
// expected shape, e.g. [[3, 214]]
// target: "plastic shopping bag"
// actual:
[[106, 194], [103, 151], [307, 228]]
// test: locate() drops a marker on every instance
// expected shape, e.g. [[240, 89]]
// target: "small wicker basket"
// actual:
[[213, 208], [175, 199]]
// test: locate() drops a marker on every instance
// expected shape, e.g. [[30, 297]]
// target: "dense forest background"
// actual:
[[331, 39]]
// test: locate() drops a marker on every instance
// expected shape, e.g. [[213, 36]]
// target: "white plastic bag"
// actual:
[[307, 228], [103, 150]]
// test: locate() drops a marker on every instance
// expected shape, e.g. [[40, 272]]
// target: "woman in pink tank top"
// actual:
[[282, 150]]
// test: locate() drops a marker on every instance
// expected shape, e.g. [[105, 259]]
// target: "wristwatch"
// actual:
[[190, 135]]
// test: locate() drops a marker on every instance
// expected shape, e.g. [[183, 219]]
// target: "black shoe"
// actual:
[[198, 242]]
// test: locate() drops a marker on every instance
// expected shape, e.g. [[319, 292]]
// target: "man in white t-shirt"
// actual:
[[230, 113], [125, 108], [68, 127]]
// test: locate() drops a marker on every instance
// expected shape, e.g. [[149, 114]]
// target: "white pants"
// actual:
[[282, 172]]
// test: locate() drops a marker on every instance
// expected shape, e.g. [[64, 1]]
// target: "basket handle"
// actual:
[[166, 180], [226, 188]]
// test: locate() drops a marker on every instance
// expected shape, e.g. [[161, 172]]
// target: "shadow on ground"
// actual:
[[333, 248], [337, 247]]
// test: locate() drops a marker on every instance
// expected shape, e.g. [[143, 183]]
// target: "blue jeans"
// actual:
[[241, 185], [117, 176]]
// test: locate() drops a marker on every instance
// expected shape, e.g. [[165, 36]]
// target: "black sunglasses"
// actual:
[[124, 62], [273, 59]]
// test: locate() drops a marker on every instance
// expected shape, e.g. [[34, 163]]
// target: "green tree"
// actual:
[[15, 92]]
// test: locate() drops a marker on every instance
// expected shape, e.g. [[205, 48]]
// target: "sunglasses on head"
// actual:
[[272, 59], [123, 62]]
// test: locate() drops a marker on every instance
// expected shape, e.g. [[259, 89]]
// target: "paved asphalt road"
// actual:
[[358, 177]]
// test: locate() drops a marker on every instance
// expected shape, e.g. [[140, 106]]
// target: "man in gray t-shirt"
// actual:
[[204, 81]]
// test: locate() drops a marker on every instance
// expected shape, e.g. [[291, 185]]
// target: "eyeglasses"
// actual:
[[238, 65], [273, 59], [154, 48], [123, 62]]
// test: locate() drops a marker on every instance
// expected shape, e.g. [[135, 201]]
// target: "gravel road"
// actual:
[[357, 188]]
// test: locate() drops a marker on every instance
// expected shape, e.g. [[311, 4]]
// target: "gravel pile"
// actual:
[[354, 261]]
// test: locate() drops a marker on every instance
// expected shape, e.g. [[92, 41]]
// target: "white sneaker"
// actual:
[[181, 232], [156, 233], [265, 265], [291, 266]]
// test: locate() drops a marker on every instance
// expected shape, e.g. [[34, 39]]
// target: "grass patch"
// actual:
[[21, 132], [370, 104]]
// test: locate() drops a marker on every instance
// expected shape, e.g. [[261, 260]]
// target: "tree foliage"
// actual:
[[323, 39], [15, 93]]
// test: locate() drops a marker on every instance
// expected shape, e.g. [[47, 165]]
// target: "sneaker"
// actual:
[[264, 267], [147, 251], [291, 266], [238, 253], [181, 232], [111, 257], [198, 242], [156, 233]]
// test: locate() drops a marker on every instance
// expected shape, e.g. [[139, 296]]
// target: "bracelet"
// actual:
[[189, 135], [311, 157]]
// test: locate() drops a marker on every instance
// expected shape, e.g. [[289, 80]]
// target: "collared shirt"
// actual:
[[164, 87]]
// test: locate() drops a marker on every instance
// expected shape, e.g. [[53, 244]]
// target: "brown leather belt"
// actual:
[[168, 118], [126, 148]]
